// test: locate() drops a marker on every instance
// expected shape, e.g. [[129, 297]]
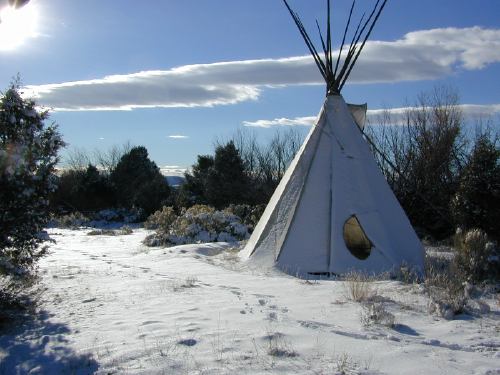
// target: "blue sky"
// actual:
[[144, 71]]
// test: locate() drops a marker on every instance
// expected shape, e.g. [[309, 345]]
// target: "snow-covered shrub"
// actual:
[[476, 256], [119, 215], [72, 220], [445, 287], [199, 224], [376, 313], [278, 345], [75, 220], [28, 155], [249, 215], [125, 230], [102, 232], [161, 219]]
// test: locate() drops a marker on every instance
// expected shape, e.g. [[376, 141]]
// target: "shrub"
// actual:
[[249, 215], [18, 298], [476, 256], [125, 230], [83, 190], [161, 219], [198, 224], [102, 232], [278, 345], [376, 313], [358, 287], [445, 287], [119, 215], [28, 155], [73, 220]]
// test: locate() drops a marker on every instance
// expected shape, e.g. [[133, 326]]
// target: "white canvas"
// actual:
[[333, 177]]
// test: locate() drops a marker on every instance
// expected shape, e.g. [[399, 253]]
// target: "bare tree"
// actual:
[[249, 148], [108, 160], [77, 159], [422, 156]]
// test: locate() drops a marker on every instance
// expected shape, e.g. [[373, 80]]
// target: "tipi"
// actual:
[[333, 211]]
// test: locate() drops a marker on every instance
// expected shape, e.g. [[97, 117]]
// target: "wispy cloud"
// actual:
[[176, 136], [419, 55], [470, 111], [283, 121]]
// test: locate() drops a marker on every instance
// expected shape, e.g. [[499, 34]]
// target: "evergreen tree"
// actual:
[[138, 182], [83, 190], [197, 180], [227, 182], [28, 155], [477, 201]]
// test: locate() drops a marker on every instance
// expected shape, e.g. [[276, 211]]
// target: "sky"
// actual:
[[175, 75]]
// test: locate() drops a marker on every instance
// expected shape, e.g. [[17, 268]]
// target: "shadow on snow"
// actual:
[[38, 346]]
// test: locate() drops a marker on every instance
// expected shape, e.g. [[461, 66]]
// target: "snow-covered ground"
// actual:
[[113, 306]]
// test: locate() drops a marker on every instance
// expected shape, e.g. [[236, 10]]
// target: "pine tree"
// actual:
[[477, 201], [196, 180], [28, 155], [227, 182], [138, 182]]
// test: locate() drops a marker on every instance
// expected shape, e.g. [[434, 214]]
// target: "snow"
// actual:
[[114, 306]]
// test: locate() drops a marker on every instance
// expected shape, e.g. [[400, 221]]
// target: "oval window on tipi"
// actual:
[[355, 239]]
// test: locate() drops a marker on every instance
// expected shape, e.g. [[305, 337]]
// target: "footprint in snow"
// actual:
[[187, 342]]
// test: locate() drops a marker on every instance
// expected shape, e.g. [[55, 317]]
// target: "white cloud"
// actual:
[[176, 136], [297, 121], [470, 111], [424, 54], [172, 170]]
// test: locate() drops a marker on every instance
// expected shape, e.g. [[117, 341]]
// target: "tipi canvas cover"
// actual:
[[333, 211], [334, 189]]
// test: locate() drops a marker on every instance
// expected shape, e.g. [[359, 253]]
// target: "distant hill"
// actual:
[[175, 180], [173, 174]]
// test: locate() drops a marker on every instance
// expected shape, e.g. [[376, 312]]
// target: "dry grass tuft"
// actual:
[[358, 287]]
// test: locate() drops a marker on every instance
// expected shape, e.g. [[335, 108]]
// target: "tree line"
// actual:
[[124, 177], [443, 178]]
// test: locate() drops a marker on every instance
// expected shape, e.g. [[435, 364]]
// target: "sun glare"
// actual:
[[17, 25]]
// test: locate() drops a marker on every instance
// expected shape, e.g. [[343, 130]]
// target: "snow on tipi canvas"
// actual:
[[333, 211]]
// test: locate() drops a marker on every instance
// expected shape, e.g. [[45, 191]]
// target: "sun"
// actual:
[[17, 25]]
